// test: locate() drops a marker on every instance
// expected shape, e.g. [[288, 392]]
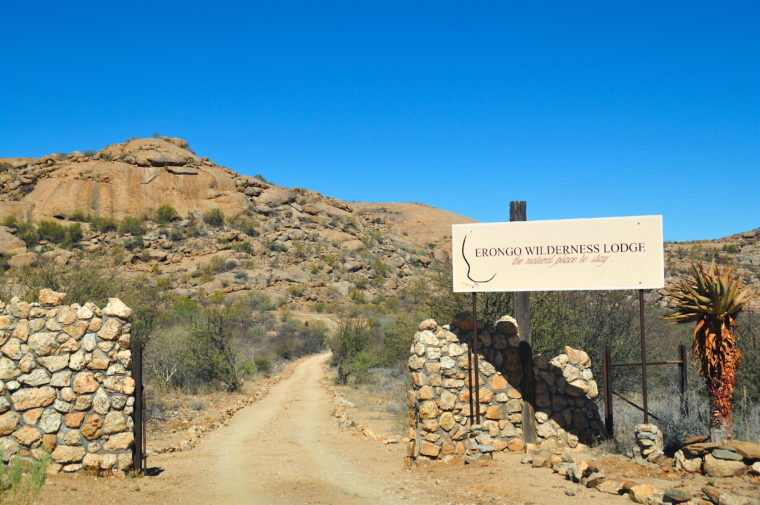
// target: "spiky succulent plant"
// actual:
[[712, 298]]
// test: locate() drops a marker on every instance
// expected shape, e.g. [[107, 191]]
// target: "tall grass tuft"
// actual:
[[21, 479]]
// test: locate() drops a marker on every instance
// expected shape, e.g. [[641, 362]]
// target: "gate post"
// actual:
[[682, 383], [608, 419], [137, 413]]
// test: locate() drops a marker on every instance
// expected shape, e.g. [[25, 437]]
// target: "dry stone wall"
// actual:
[[439, 401], [66, 384]]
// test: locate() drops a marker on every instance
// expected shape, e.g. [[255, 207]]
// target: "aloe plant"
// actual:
[[712, 298]]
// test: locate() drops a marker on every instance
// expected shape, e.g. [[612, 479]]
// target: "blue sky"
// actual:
[[584, 109]]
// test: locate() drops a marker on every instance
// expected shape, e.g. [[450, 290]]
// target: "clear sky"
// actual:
[[584, 109]]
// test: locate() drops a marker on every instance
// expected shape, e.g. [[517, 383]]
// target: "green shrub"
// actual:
[[296, 291], [88, 153], [380, 268], [73, 234], [261, 178], [248, 368], [5, 166], [214, 217], [166, 214], [263, 364], [357, 295], [132, 225], [50, 231], [20, 482], [276, 247], [217, 265], [248, 226], [133, 243], [27, 233], [348, 345], [105, 224], [243, 247]]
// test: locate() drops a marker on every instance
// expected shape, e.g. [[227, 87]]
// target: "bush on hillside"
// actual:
[[214, 217], [105, 224], [132, 225], [166, 214]]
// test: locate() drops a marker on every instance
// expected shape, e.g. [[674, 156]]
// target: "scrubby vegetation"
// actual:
[[21, 479], [54, 233], [374, 340]]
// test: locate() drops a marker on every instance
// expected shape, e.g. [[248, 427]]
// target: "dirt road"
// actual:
[[287, 449]]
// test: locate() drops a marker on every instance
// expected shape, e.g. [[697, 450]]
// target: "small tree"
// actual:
[[712, 299], [211, 345], [348, 345]]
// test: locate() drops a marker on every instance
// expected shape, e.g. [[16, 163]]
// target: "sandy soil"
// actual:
[[288, 449]]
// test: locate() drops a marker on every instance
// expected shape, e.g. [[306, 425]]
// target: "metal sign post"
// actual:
[[642, 332]]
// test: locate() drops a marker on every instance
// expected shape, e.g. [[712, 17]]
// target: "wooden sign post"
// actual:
[[518, 212]]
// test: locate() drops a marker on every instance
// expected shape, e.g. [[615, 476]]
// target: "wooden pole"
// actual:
[[518, 212]]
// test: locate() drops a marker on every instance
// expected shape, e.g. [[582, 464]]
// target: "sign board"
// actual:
[[571, 254]]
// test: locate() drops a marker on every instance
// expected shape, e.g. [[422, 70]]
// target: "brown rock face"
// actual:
[[30, 398], [134, 179]]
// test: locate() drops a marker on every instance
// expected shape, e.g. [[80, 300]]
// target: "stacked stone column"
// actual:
[[439, 401], [65, 383]]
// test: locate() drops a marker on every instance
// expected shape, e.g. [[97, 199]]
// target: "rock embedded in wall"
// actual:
[[65, 382]]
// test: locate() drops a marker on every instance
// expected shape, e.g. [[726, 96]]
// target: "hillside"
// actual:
[[292, 243]]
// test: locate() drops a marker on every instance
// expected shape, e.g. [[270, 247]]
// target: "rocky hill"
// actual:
[[233, 232], [230, 233]]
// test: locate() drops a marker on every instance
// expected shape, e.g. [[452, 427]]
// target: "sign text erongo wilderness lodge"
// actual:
[[604, 253]]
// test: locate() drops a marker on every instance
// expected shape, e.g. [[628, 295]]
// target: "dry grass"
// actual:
[[676, 424], [381, 397], [21, 479]]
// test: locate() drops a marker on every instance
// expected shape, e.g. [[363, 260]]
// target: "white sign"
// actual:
[[571, 254]]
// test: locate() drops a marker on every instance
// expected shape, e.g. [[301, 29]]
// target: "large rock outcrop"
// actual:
[[129, 179]]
